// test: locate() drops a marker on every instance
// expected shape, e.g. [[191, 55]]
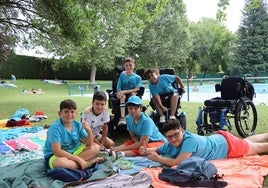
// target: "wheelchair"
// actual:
[[181, 116], [114, 103], [236, 102]]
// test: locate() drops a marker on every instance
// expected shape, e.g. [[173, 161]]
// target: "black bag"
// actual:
[[193, 172]]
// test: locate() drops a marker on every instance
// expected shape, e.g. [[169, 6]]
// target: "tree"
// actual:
[[92, 32], [251, 48], [212, 43], [165, 42]]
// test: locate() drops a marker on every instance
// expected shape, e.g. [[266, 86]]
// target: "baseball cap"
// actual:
[[134, 100]]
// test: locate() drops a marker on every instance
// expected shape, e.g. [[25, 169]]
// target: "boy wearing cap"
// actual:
[[142, 130]]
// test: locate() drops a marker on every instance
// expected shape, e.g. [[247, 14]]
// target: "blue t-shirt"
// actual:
[[127, 82], [207, 147], [145, 127], [69, 141], [163, 86]]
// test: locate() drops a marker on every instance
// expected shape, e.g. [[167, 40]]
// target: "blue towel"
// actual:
[[138, 162], [4, 148], [10, 134]]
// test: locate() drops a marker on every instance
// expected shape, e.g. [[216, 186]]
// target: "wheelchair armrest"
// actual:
[[140, 91], [110, 92], [217, 87]]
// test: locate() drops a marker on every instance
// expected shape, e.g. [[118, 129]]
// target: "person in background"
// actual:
[[195, 89], [98, 118], [69, 143], [182, 144], [142, 130], [128, 84], [13, 78], [160, 87]]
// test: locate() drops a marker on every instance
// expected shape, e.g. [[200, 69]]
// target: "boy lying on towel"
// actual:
[[182, 144]]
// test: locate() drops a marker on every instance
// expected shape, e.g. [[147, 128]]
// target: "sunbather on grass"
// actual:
[[183, 144]]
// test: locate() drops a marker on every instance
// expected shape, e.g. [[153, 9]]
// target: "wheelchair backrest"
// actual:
[[118, 69], [167, 71], [232, 88]]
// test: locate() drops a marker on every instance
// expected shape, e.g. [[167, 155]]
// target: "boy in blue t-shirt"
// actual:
[[142, 130], [161, 86], [183, 144], [128, 84], [63, 147]]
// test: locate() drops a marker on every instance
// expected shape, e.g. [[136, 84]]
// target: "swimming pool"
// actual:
[[206, 92]]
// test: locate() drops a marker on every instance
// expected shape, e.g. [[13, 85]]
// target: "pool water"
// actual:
[[206, 92]]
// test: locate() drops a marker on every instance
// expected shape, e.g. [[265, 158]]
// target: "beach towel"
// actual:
[[246, 172], [140, 180]]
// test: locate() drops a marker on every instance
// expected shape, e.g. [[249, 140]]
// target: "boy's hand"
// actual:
[[86, 125], [143, 149], [153, 156]]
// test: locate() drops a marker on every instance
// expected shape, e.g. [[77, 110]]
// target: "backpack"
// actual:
[[250, 91], [193, 172], [69, 175]]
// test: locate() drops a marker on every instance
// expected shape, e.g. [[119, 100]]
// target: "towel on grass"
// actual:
[[10, 134], [246, 172], [31, 173]]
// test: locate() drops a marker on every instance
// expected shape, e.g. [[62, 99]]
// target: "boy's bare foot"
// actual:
[[92, 162]]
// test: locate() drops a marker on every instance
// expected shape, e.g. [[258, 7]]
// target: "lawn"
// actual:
[[14, 98]]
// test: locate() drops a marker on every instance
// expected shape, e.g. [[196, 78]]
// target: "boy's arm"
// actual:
[[104, 134], [179, 81], [89, 139], [169, 161]]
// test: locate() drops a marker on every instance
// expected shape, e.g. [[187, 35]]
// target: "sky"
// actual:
[[197, 9]]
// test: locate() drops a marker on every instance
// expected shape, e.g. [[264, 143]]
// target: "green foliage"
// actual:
[[165, 41], [94, 32], [251, 47], [211, 45]]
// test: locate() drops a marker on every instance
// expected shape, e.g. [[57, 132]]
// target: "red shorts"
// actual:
[[237, 147], [149, 145]]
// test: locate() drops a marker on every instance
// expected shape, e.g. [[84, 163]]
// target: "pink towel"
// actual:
[[27, 144], [12, 144]]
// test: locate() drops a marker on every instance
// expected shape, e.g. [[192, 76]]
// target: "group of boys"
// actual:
[[79, 144]]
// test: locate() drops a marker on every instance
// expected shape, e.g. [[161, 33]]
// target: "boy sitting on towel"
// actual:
[[63, 146]]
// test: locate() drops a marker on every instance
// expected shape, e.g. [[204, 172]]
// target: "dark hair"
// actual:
[[100, 96], [129, 59], [171, 124], [68, 103], [149, 71]]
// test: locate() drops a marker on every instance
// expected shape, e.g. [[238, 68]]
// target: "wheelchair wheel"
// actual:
[[245, 118]]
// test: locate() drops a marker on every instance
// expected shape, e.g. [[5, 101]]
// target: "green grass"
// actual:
[[13, 99]]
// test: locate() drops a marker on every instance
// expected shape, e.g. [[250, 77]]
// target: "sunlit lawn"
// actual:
[[13, 99]]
